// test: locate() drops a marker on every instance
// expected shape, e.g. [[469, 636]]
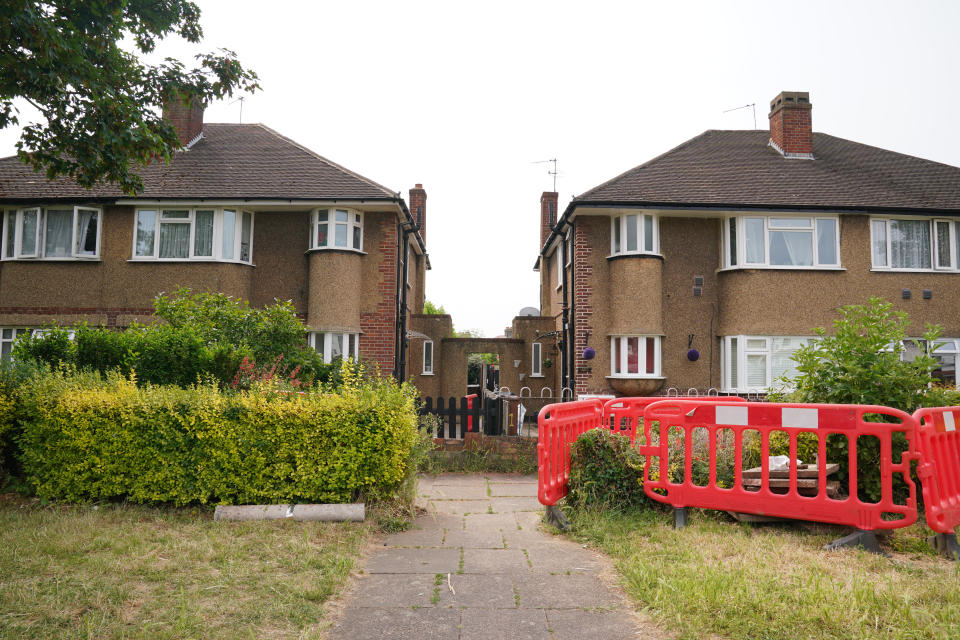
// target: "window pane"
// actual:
[[756, 371], [322, 234], [146, 230], [618, 366], [357, 232], [174, 240], [87, 221], [340, 240], [651, 356], [203, 234], [648, 233], [755, 242], [879, 242], [318, 339], [229, 233], [910, 244], [336, 345], [631, 233], [787, 223], [341, 216], [11, 233], [5, 349], [756, 344], [827, 242], [791, 248], [29, 232], [782, 356], [616, 234], [322, 215], [944, 248], [734, 357], [246, 226], [732, 244], [352, 349], [535, 366], [58, 237], [633, 355], [175, 215]]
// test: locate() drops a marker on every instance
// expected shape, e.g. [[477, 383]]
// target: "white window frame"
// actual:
[[191, 219], [558, 258], [738, 357], [536, 360], [641, 356], [16, 332], [427, 362], [740, 246], [935, 262], [354, 222], [12, 248], [350, 340], [946, 346], [645, 245]]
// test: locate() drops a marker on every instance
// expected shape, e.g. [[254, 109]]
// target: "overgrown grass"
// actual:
[[145, 572], [774, 581]]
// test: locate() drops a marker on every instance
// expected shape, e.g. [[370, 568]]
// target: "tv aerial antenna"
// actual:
[[240, 100], [552, 173], [753, 106]]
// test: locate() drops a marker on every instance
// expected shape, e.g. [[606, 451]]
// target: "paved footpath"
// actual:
[[476, 566]]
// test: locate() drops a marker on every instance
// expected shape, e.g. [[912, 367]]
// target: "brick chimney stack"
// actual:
[[186, 118], [548, 214], [791, 124], [418, 208]]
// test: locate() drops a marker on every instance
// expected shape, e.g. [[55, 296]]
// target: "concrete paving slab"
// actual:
[[456, 479], [459, 507], [561, 559], [457, 492], [504, 561], [511, 478], [474, 538], [574, 624], [526, 539], [530, 519], [400, 590], [429, 623], [421, 537], [497, 624], [512, 489], [576, 591], [507, 505], [414, 561], [494, 520], [478, 590]]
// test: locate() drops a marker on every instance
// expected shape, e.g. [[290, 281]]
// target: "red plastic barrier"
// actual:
[[470, 398], [939, 467], [821, 420], [559, 425], [625, 415]]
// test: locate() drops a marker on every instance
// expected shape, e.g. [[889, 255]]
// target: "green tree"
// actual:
[[98, 101], [431, 309]]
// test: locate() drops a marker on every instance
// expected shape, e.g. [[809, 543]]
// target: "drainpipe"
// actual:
[[565, 361], [571, 342], [404, 229]]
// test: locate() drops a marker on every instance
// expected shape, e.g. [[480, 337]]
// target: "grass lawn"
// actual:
[[774, 581], [143, 572]]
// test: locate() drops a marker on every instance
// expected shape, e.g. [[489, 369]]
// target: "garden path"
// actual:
[[478, 566]]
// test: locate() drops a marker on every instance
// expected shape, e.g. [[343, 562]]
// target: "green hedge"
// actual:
[[605, 470], [84, 437]]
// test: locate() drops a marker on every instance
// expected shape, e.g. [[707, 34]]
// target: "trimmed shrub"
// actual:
[[606, 471], [86, 437]]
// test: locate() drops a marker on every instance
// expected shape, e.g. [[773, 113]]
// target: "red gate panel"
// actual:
[[559, 425], [625, 415], [821, 420], [939, 467]]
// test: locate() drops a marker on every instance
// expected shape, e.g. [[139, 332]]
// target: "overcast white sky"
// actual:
[[464, 97]]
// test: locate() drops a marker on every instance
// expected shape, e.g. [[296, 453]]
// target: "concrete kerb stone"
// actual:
[[299, 512]]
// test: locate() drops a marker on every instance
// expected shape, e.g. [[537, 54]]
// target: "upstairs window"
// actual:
[[428, 357], [52, 233], [335, 345], [635, 356], [781, 242], [337, 229], [634, 233], [915, 244], [224, 235]]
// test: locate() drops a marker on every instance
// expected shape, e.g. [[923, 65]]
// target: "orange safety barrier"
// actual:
[[819, 419], [939, 467], [625, 415], [559, 425]]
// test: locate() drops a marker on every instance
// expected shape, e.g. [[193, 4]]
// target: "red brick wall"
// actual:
[[548, 198], [583, 303], [186, 119], [791, 129], [418, 198], [379, 327]]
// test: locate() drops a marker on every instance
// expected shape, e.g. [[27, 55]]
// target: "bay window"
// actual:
[[922, 244], [754, 363], [634, 233], [51, 233], [635, 356], [221, 234], [337, 229], [335, 345], [781, 242]]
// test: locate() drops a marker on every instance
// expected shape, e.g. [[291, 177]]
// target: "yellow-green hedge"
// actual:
[[83, 438]]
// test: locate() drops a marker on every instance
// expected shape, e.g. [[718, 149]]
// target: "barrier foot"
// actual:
[[679, 517], [556, 518], [859, 538], [946, 544]]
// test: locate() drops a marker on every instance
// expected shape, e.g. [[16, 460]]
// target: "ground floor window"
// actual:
[[9, 335], [536, 360], [428, 357], [335, 345], [943, 350], [754, 363], [635, 356]]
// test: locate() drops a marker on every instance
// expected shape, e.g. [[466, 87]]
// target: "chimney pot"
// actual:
[[791, 124]]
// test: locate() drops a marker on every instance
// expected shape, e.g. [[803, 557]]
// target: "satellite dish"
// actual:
[[529, 311]]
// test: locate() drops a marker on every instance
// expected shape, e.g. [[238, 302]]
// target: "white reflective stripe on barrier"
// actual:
[[800, 418], [948, 422], [732, 415]]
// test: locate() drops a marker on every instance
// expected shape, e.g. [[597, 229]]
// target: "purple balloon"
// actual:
[[589, 353], [693, 355]]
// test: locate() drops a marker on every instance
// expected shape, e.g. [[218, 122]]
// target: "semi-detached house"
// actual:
[[708, 266], [240, 210]]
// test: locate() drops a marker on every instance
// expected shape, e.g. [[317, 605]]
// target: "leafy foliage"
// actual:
[[66, 58], [433, 309], [606, 471], [86, 437]]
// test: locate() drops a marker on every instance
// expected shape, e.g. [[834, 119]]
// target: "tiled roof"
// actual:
[[236, 161], [738, 168]]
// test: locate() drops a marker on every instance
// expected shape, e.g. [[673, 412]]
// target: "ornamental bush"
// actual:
[[605, 471], [84, 436]]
